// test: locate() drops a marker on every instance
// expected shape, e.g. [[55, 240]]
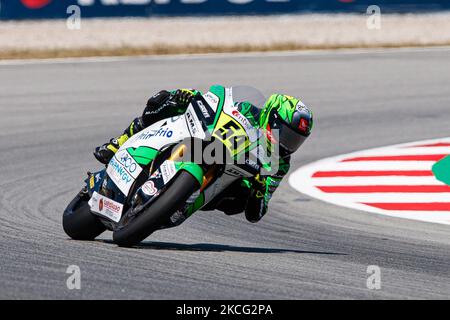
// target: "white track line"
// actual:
[[204, 56]]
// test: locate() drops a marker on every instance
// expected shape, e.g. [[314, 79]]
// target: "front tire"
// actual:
[[78, 221], [173, 199]]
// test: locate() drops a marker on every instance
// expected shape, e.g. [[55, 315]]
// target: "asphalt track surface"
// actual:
[[52, 116]]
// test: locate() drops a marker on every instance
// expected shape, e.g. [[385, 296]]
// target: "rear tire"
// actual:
[[78, 221], [173, 199]]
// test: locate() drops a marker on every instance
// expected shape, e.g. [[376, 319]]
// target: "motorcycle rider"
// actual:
[[281, 112]]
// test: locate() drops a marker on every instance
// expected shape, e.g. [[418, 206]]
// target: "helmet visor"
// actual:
[[288, 138]]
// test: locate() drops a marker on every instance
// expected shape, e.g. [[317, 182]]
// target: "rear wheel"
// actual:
[[173, 199], [78, 221]]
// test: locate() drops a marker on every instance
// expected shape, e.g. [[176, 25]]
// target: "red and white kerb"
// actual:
[[395, 180]]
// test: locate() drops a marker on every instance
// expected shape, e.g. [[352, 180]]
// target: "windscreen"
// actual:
[[248, 94]]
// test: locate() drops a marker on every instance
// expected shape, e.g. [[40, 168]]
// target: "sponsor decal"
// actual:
[[128, 162], [91, 182], [106, 207], [119, 171], [301, 106], [149, 188], [194, 125], [111, 205], [52, 8], [161, 132], [203, 109], [123, 170], [168, 170], [252, 164], [304, 125], [242, 119], [164, 2], [212, 100], [233, 171], [148, 2]]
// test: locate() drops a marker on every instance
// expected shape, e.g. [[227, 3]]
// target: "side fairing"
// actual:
[[160, 134]]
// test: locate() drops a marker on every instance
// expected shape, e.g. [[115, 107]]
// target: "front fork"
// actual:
[[160, 177], [197, 200]]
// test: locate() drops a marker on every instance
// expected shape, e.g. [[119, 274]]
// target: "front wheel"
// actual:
[[173, 199], [78, 221]]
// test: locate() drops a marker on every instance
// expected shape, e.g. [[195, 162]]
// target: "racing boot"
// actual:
[[105, 152]]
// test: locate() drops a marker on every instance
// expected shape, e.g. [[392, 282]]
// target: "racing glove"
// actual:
[[166, 104], [262, 189], [183, 97], [258, 200]]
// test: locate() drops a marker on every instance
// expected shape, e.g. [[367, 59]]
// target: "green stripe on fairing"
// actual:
[[219, 91], [247, 149], [441, 170], [143, 155]]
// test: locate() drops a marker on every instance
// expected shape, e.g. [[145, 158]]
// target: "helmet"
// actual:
[[292, 119]]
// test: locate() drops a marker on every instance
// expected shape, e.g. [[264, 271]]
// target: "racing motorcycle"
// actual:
[[150, 180]]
